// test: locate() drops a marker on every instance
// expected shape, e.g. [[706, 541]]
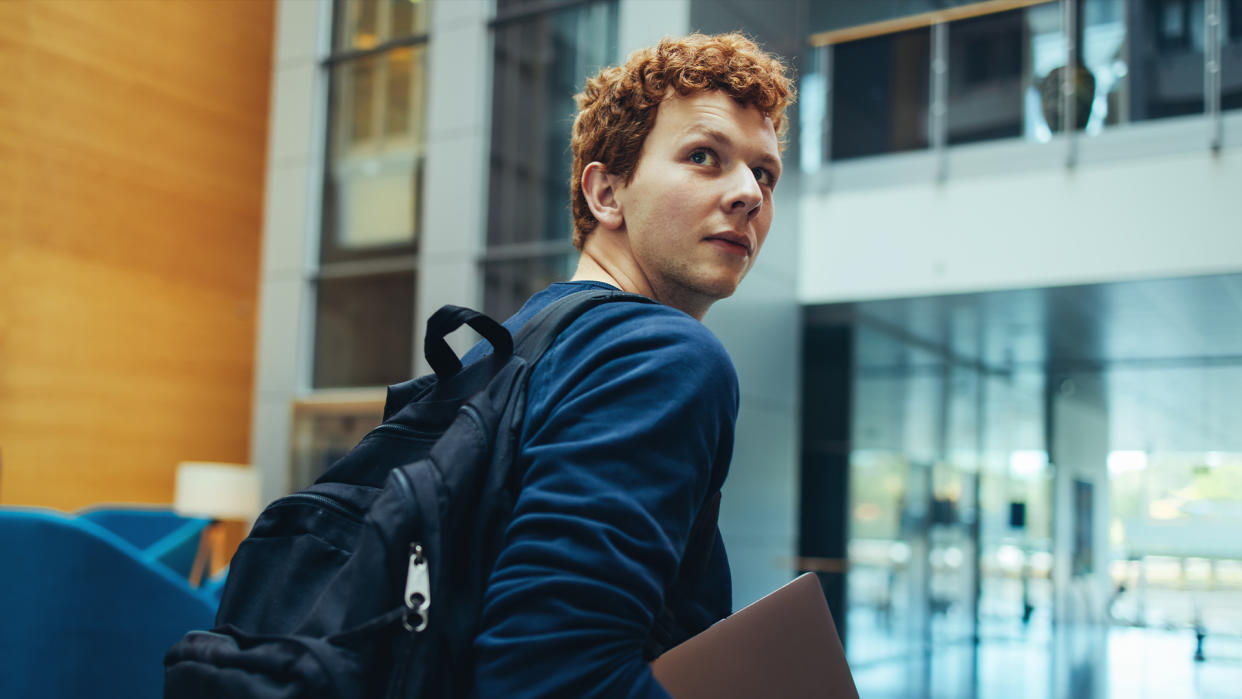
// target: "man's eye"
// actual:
[[703, 157], [764, 176]]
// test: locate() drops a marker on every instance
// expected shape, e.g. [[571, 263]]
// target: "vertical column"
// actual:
[[974, 513], [1069, 117], [916, 531], [290, 227], [1078, 447], [825, 479], [458, 138]]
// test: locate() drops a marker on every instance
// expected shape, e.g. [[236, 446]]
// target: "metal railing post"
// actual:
[[938, 119], [1211, 73], [823, 64], [1069, 116]]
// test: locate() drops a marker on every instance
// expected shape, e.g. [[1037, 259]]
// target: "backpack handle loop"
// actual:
[[441, 357]]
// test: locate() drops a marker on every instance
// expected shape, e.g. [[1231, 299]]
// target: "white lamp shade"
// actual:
[[216, 490]]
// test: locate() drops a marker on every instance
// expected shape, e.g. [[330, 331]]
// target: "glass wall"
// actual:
[[1176, 561], [1044, 487], [541, 59], [1176, 500], [950, 526], [371, 193]]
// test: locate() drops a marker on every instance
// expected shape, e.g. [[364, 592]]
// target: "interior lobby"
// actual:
[[990, 359]]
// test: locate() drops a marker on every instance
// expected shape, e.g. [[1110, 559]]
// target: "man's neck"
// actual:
[[607, 258], [590, 270]]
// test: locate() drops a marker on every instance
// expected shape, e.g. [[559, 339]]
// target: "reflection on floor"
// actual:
[[1084, 662]]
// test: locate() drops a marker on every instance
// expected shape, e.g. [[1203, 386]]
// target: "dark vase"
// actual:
[[1050, 97]]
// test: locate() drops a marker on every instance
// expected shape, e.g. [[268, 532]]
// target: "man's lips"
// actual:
[[733, 243]]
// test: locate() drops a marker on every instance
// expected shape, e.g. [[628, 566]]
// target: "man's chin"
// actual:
[[723, 287], [717, 292]]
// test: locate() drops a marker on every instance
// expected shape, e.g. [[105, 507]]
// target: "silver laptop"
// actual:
[[784, 646]]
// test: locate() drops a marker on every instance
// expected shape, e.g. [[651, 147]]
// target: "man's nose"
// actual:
[[744, 192]]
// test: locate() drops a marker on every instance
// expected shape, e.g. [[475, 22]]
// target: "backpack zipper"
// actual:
[[322, 500], [407, 432], [417, 591], [417, 595]]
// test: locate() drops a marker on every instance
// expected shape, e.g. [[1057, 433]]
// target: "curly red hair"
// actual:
[[617, 108]]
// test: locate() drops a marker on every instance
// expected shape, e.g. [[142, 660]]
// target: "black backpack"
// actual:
[[369, 583]]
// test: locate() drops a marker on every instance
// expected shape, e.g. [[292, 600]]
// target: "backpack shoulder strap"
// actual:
[[538, 334]]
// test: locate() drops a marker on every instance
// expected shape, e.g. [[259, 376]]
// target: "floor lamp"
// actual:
[[217, 491]]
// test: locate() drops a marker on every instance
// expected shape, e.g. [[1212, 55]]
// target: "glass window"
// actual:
[[880, 94], [372, 187], [987, 61], [375, 155], [812, 109], [1167, 47], [364, 330], [1104, 56], [325, 432], [541, 60], [1231, 55], [508, 283], [1005, 73], [365, 24]]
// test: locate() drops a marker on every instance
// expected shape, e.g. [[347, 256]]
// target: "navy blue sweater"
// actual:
[[629, 427]]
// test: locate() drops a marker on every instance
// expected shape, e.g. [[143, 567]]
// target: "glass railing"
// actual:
[[1016, 69], [1231, 55]]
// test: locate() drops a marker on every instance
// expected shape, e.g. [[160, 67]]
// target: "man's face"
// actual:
[[699, 205]]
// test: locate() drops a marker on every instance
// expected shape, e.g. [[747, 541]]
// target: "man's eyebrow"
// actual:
[[714, 134]]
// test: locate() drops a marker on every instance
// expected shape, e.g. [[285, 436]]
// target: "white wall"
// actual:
[[645, 22], [290, 225], [456, 182], [761, 327], [1167, 213]]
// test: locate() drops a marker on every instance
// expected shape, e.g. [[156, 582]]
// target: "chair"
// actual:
[[162, 535], [85, 611]]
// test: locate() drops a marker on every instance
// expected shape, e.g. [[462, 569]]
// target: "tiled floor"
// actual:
[[1083, 662]]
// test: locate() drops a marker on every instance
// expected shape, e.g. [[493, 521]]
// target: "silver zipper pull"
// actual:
[[417, 591]]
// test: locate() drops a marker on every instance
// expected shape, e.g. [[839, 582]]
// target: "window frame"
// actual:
[[540, 250], [333, 261]]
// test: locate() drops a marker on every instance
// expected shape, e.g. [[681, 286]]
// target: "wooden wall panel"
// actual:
[[132, 161]]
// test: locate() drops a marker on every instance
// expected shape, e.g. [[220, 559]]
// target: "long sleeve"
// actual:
[[629, 426]]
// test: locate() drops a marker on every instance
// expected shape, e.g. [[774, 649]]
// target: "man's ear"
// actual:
[[599, 189]]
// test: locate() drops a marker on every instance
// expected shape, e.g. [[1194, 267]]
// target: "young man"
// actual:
[[629, 421]]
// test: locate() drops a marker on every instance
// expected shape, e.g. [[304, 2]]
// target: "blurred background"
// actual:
[[990, 359]]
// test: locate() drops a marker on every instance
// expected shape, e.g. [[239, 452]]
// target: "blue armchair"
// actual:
[[162, 535], [86, 612]]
